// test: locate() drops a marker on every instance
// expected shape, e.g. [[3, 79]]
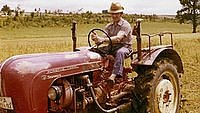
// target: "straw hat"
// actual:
[[116, 8]]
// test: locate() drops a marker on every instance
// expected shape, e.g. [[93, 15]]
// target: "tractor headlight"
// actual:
[[54, 93]]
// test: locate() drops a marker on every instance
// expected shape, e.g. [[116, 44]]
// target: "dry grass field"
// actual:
[[188, 47], [38, 40]]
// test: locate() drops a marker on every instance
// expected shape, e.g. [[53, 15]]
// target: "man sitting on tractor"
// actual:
[[120, 32]]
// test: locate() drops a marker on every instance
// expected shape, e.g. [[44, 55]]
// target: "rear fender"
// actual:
[[154, 55]]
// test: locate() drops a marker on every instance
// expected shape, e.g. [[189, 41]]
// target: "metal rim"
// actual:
[[166, 97]]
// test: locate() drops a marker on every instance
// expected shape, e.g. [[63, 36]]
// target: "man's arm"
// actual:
[[117, 38]]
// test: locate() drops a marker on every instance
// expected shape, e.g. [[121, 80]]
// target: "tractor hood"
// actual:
[[31, 64], [27, 76]]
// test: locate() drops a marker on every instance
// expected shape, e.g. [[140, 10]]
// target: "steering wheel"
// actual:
[[98, 49]]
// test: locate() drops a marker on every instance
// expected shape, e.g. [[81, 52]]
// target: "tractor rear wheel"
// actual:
[[157, 90]]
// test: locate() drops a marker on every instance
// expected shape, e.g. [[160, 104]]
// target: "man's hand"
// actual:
[[96, 38]]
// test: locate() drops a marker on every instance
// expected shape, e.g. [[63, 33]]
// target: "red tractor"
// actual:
[[76, 81]]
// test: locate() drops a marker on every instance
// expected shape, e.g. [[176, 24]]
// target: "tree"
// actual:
[[190, 12], [6, 10], [18, 11], [32, 14]]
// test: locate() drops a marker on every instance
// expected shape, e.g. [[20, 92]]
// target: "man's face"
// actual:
[[116, 16]]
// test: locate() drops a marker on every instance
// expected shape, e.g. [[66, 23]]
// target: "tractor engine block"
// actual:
[[64, 96]]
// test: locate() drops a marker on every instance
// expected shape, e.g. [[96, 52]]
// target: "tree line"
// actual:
[[189, 13], [59, 19]]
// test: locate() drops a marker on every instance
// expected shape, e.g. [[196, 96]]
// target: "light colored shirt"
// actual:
[[123, 27]]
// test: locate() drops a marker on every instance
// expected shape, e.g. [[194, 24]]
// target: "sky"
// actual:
[[148, 7]]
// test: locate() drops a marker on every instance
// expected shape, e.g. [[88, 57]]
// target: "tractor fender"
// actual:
[[154, 55]]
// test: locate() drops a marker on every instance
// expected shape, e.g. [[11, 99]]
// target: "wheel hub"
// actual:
[[165, 96]]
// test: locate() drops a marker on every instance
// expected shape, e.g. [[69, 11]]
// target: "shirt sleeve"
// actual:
[[125, 30], [107, 29]]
